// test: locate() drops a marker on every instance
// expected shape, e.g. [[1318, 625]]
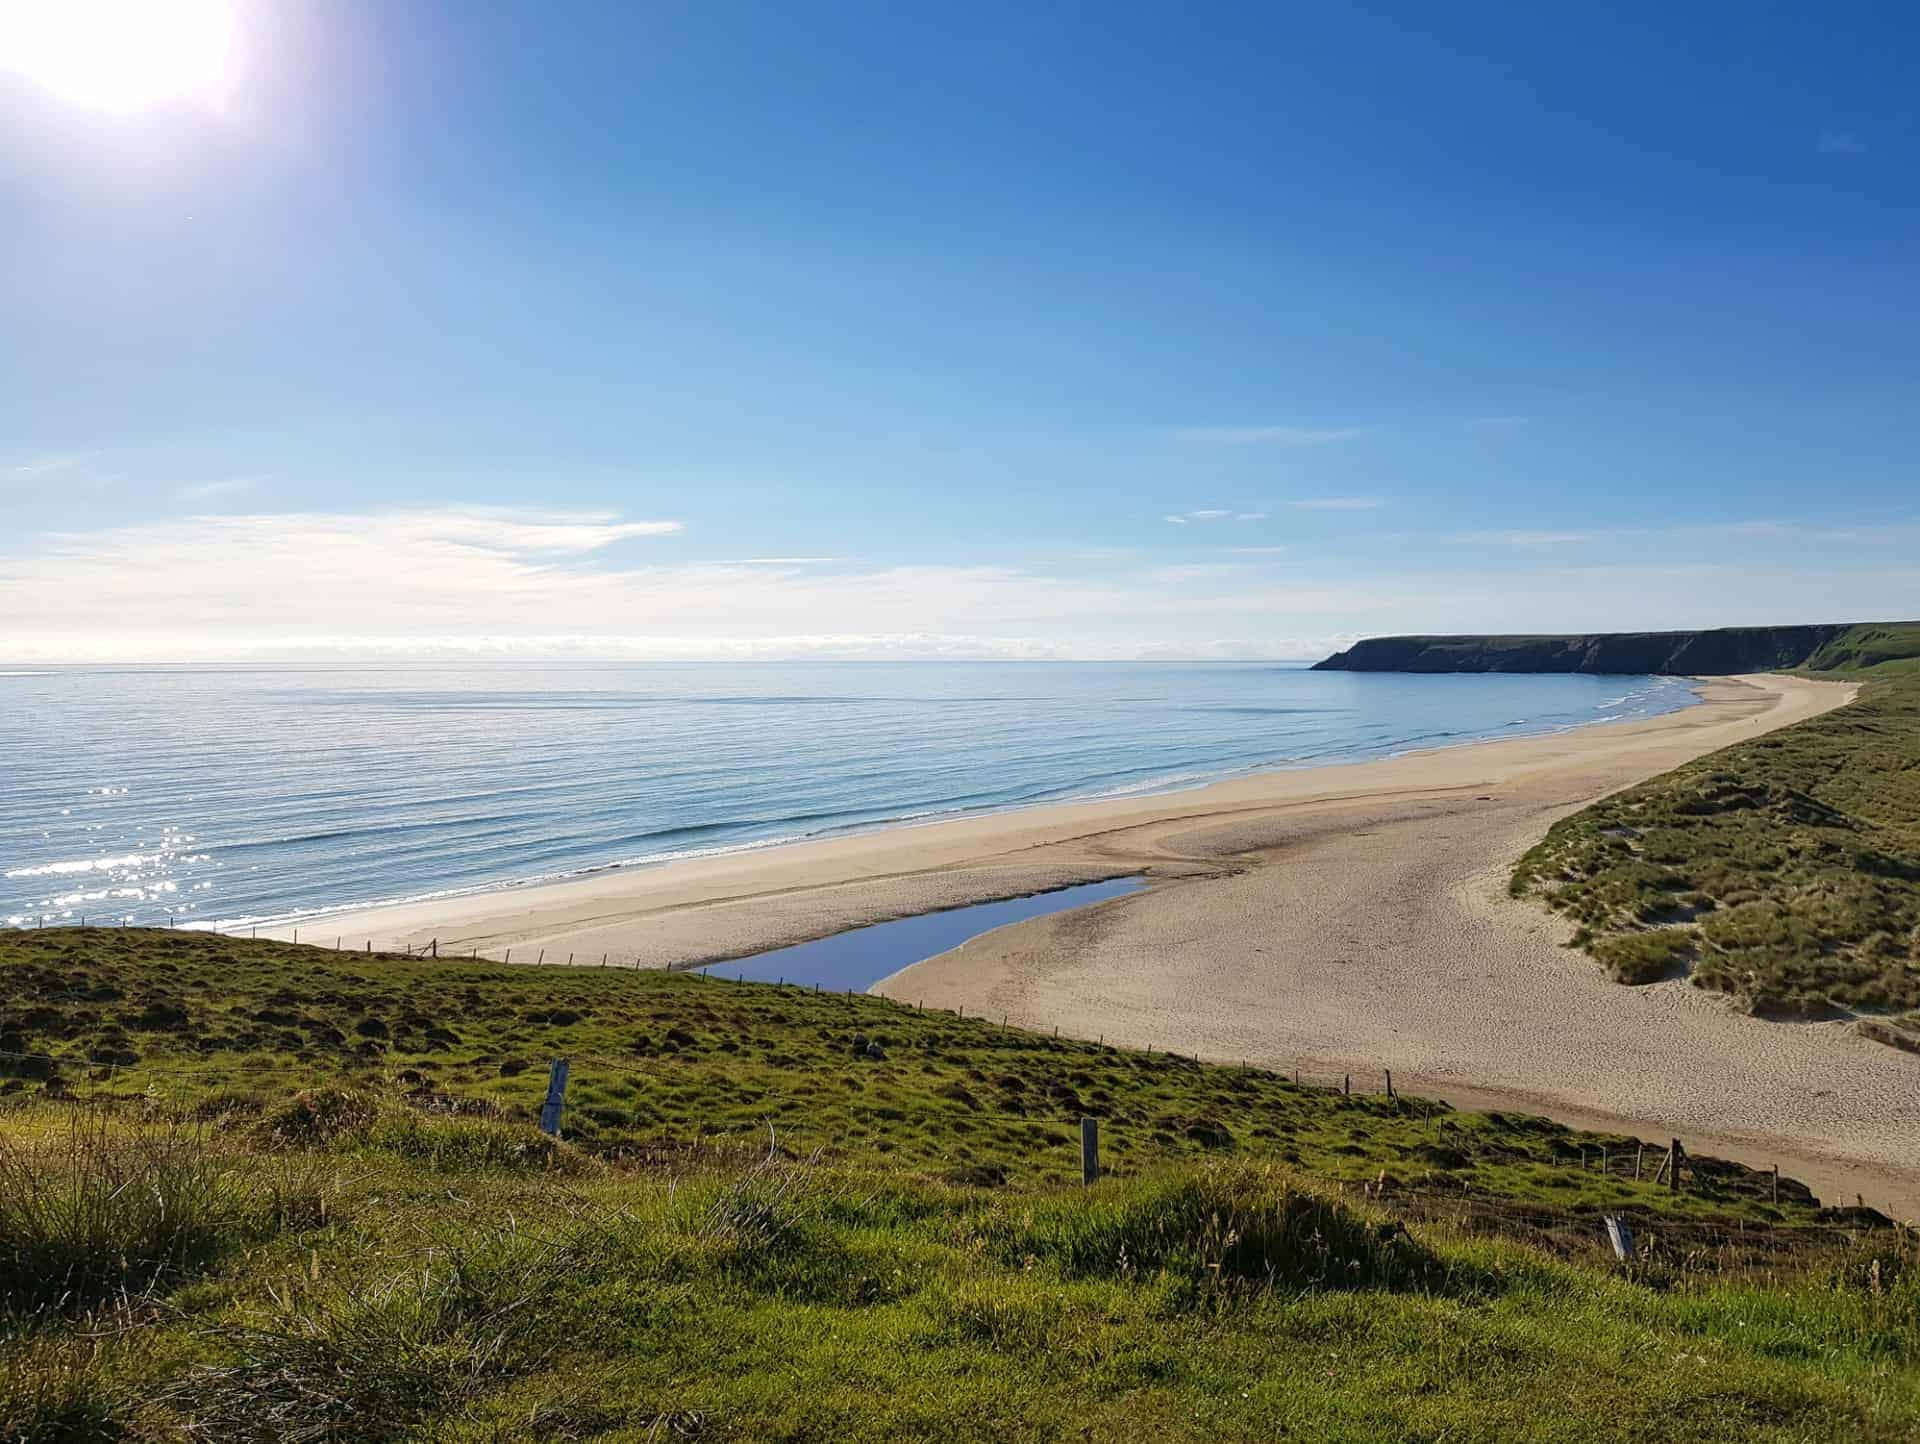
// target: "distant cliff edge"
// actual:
[[1718, 652]]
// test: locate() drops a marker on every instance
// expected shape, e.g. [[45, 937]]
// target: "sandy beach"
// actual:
[[1332, 919]]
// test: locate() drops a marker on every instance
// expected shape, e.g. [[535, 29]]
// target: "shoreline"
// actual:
[[279, 924], [1348, 917], [469, 916]]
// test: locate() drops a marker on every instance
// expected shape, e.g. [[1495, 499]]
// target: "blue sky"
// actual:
[[999, 329]]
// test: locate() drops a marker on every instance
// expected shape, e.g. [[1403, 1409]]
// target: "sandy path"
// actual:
[[1334, 918]]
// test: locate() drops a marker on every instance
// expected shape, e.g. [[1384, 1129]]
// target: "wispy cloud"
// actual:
[[214, 490], [1267, 435], [1256, 551], [46, 465], [1338, 503], [1522, 537], [1841, 142], [510, 531], [1213, 513], [1495, 423], [1751, 530], [1892, 532], [771, 562]]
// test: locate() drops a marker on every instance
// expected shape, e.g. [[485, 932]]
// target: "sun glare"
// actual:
[[123, 55]]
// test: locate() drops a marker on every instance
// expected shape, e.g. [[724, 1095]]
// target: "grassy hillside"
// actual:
[[672, 1066], [294, 1196], [1785, 870], [1875, 650]]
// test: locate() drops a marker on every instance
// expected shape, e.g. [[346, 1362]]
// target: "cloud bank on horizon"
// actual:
[[501, 581]]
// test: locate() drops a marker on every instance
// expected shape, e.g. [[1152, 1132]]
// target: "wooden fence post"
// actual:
[[1776, 1183], [1639, 1153], [1673, 1179], [1089, 1150], [1389, 1082], [1346, 1085], [556, 1098]]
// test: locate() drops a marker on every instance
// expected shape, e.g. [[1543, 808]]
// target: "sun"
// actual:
[[123, 55]]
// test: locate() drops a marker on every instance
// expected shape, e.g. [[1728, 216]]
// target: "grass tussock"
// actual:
[[1219, 1231], [59, 1387], [365, 1362], [97, 1211]]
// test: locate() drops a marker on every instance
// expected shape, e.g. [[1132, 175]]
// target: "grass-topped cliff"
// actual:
[[1714, 652], [1886, 649], [251, 1191]]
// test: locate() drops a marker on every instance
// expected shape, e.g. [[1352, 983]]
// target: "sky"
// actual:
[[803, 329]]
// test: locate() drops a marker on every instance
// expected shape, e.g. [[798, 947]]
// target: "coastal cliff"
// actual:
[[1721, 651]]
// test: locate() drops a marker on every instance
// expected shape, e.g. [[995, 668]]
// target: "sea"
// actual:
[[239, 796]]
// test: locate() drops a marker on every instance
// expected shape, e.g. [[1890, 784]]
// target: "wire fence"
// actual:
[[410, 946], [1666, 1165], [788, 1118]]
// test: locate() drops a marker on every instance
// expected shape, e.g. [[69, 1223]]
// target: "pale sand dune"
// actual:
[[1333, 919]]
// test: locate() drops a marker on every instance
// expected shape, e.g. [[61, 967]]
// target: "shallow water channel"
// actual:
[[861, 957]]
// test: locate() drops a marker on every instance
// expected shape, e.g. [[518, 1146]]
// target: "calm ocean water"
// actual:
[[235, 795]]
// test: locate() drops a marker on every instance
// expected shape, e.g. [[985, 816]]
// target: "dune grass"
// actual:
[[1785, 870]]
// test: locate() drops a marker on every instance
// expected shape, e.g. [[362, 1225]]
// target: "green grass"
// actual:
[[782, 1300], [92, 1213], [754, 1232], [308, 1044], [1883, 649], [1785, 870]]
